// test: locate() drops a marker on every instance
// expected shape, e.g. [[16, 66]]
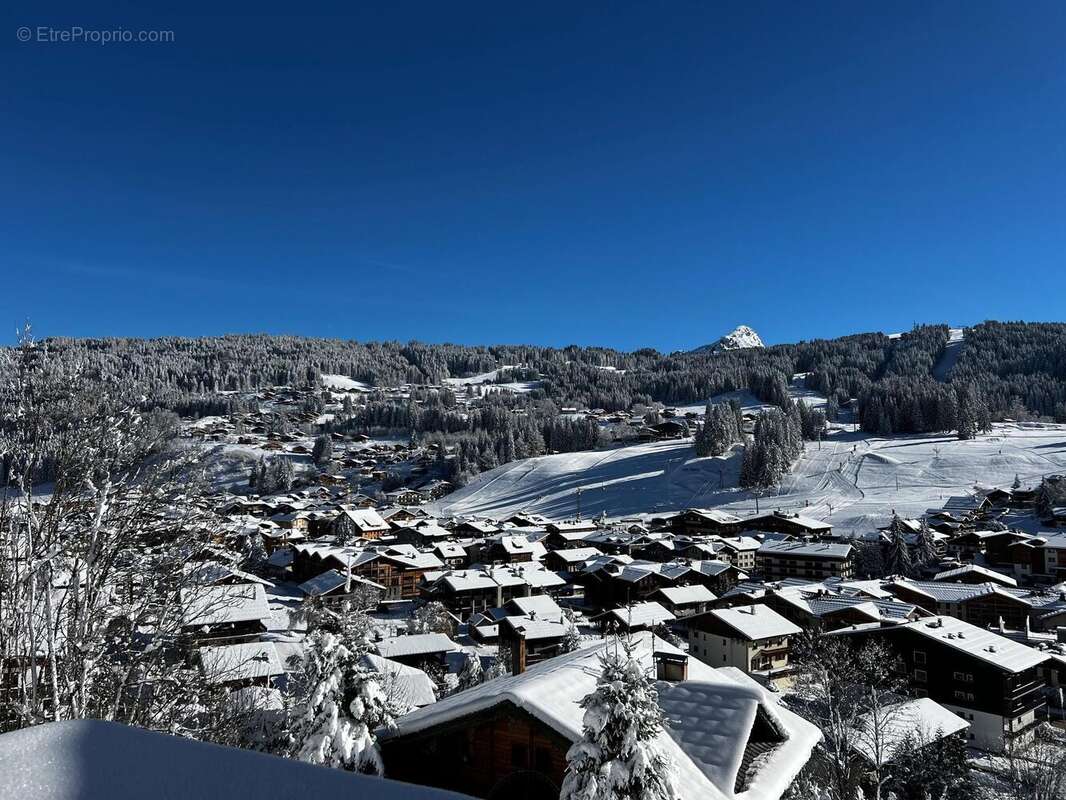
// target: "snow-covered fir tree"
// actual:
[[472, 672], [341, 703], [571, 640], [617, 757]]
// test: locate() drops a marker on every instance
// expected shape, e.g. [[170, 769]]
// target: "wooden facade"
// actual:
[[502, 753]]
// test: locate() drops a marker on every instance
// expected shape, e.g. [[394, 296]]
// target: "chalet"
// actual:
[[755, 639], [973, 573], [962, 508], [333, 588], [634, 617], [511, 549], [816, 607], [992, 546], [986, 679], [416, 649], [363, 522], [1039, 556], [469, 591], [224, 614], [984, 604], [452, 554], [404, 497], [235, 666], [740, 551], [814, 561], [531, 640], [684, 601], [509, 737], [791, 524], [705, 521], [570, 561]]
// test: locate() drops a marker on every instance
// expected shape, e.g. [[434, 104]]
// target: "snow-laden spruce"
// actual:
[[617, 758], [472, 673], [343, 703]]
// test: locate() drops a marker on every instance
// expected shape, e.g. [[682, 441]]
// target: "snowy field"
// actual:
[[851, 481]]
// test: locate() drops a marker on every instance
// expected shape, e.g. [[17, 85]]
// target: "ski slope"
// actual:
[[850, 481]]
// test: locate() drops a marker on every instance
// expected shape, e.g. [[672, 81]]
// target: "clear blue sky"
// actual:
[[645, 174]]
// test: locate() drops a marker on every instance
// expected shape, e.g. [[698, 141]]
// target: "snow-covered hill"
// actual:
[[854, 480], [740, 338]]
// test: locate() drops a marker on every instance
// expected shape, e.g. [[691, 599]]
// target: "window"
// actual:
[[966, 677], [921, 676], [544, 760], [919, 656]]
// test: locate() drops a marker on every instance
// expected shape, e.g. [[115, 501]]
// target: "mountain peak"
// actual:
[[740, 338]]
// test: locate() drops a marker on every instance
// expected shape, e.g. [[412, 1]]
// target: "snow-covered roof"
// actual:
[[331, 580], [540, 604], [216, 605], [975, 569], [806, 549], [639, 614], [404, 685], [365, 519], [990, 647], [238, 662], [93, 760], [686, 595], [577, 554], [755, 622], [709, 718], [415, 645], [921, 721]]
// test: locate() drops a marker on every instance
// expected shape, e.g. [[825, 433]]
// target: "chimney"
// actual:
[[672, 667], [518, 656]]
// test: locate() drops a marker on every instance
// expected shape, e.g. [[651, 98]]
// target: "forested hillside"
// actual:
[[1005, 369]]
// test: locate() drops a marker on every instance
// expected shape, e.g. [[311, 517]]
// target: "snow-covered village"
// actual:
[[577, 401]]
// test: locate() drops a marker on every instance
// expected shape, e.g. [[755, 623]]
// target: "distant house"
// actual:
[[683, 601], [792, 524], [755, 639], [226, 614], [705, 521], [635, 617], [812, 560], [364, 522], [416, 649], [238, 665]]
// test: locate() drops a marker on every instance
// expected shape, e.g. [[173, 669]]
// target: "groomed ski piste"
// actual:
[[852, 479]]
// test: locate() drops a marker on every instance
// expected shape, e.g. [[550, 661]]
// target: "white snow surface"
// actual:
[[850, 481], [91, 760], [345, 384]]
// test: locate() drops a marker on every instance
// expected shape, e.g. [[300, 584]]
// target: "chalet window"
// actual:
[[921, 675], [919, 656], [966, 677], [519, 757], [544, 760]]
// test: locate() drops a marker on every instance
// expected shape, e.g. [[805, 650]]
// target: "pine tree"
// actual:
[[898, 561], [322, 452], [472, 673], [925, 552], [342, 703], [572, 638], [616, 758]]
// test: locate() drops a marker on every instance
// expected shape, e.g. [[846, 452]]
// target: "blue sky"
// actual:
[[645, 174]]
